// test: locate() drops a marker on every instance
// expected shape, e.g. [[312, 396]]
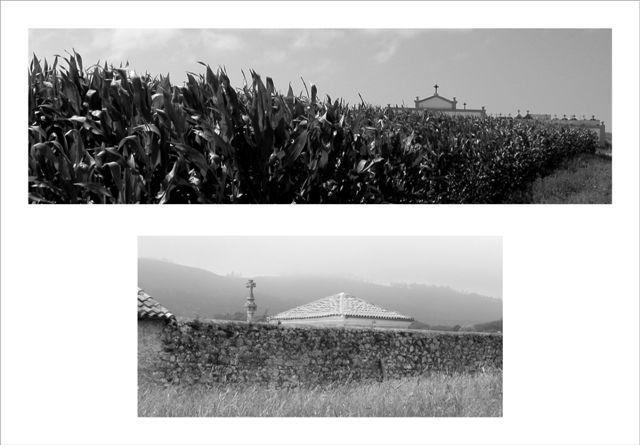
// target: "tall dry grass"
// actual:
[[438, 395], [584, 179]]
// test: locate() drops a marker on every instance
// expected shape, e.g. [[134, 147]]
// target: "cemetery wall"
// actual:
[[216, 352]]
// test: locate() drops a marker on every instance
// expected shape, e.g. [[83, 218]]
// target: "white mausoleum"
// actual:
[[441, 104], [342, 310]]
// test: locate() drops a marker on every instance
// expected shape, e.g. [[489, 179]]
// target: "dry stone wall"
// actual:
[[150, 349], [214, 352]]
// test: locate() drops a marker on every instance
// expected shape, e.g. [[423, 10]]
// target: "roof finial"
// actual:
[[436, 87]]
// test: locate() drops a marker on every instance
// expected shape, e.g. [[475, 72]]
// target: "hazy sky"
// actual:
[[544, 71], [472, 264]]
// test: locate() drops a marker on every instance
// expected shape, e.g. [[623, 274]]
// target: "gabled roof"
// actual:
[[148, 308], [340, 304], [435, 95]]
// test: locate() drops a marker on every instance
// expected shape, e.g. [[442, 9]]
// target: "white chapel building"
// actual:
[[438, 103]]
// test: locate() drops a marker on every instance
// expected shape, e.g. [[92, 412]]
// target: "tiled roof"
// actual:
[[150, 308], [340, 304]]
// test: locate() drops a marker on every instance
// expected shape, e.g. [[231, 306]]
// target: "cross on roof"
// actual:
[[250, 285], [436, 87]]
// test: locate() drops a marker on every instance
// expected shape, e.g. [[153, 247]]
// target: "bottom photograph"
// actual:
[[320, 326]]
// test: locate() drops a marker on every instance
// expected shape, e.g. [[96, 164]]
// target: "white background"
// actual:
[[570, 272]]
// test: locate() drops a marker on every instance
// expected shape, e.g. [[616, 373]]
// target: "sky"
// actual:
[[553, 71], [470, 264]]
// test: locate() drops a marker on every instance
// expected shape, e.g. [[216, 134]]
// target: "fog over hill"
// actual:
[[188, 291]]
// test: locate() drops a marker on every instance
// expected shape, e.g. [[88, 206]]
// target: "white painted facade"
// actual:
[[449, 107], [436, 103], [465, 113], [541, 117], [581, 123]]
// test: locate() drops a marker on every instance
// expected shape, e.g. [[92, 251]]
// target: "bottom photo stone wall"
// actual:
[[236, 352]]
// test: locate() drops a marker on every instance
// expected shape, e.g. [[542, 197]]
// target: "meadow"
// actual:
[[584, 179], [104, 134], [436, 395]]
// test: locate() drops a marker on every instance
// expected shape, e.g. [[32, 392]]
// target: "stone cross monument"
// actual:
[[251, 302]]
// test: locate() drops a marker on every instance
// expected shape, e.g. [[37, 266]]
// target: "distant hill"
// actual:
[[492, 326], [188, 291], [434, 327]]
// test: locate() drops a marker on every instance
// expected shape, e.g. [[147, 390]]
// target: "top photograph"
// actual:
[[320, 116]]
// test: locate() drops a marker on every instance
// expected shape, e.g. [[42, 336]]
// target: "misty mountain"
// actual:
[[189, 292], [492, 326]]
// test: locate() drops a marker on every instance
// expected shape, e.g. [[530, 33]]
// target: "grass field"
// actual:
[[463, 395], [585, 179]]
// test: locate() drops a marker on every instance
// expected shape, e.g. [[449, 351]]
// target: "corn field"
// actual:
[[102, 134]]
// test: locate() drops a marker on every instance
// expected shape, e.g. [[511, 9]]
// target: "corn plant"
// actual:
[[103, 134]]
